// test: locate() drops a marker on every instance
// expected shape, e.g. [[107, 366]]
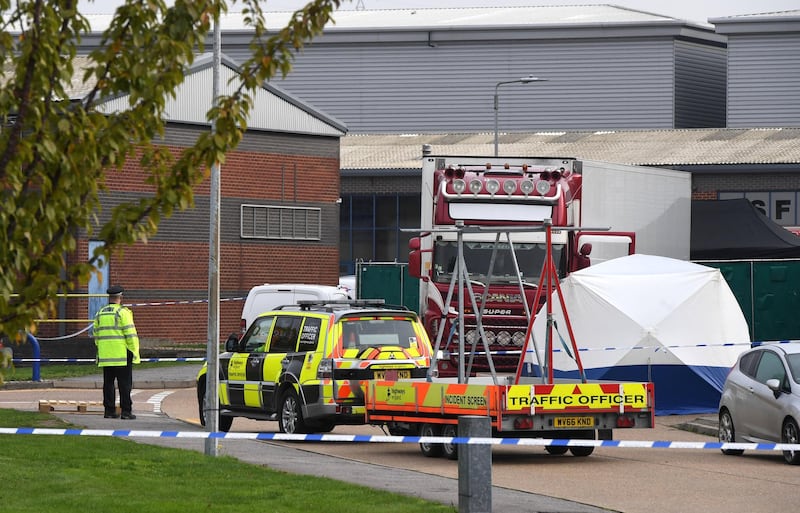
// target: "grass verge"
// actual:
[[61, 474], [76, 370]]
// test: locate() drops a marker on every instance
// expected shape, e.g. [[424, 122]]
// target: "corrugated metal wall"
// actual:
[[396, 88], [700, 77], [763, 80]]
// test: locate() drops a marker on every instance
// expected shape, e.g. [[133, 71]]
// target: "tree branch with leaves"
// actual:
[[57, 152]]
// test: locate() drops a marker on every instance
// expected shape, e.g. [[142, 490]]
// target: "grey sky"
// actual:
[[694, 10]]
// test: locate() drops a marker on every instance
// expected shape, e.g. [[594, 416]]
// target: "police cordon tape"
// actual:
[[93, 360], [163, 303], [639, 348], [534, 442], [512, 352]]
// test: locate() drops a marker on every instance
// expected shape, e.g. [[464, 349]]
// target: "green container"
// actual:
[[768, 291], [389, 281]]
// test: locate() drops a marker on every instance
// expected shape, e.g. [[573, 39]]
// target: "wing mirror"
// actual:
[[232, 343], [774, 384]]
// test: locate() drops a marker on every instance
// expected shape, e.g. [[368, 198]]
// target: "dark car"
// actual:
[[761, 399]]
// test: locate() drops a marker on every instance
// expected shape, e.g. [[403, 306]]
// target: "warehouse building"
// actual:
[[279, 214], [718, 100]]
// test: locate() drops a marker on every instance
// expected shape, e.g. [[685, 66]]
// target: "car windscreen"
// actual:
[[477, 256], [378, 331], [794, 366]]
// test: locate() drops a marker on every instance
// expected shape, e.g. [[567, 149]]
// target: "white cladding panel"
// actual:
[[270, 111], [654, 203]]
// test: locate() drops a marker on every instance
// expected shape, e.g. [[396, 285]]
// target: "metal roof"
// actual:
[[437, 18], [450, 18], [713, 146], [783, 21], [745, 18]]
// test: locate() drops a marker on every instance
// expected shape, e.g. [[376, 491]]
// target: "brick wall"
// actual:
[[166, 279]]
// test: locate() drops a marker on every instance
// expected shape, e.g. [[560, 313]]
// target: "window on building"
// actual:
[[370, 228], [278, 222]]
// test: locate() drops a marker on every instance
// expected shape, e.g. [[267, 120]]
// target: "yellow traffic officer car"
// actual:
[[306, 365]]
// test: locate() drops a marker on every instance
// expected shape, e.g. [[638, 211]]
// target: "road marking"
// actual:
[[157, 399]]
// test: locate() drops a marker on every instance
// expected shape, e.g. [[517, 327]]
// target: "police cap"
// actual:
[[115, 290]]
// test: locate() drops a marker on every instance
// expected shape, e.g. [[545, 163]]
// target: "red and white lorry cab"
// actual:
[[614, 209]]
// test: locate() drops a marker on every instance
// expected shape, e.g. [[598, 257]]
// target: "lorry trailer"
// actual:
[[584, 411]]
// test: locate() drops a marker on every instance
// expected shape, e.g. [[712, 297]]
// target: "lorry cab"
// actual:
[[307, 365]]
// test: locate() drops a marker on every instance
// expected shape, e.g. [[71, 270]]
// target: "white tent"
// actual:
[[642, 317]]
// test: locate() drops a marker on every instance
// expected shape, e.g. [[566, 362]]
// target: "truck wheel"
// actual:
[[556, 449], [581, 451], [450, 449], [428, 449], [290, 415]]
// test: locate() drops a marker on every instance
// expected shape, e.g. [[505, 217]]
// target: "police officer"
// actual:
[[117, 350]]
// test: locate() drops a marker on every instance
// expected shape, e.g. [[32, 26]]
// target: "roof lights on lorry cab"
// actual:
[[475, 186], [492, 187], [526, 186], [521, 186]]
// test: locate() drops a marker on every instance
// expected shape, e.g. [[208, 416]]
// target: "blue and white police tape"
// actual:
[[93, 360], [183, 302], [530, 351], [534, 442]]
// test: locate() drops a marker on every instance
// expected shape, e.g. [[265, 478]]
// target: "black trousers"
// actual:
[[124, 380]]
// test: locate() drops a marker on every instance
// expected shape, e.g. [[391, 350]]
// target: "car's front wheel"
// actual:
[[290, 418], [224, 422], [201, 399], [790, 435], [727, 433]]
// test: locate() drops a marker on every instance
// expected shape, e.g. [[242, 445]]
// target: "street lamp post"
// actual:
[[523, 80]]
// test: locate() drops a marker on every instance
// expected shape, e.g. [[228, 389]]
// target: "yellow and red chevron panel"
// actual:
[[428, 397], [579, 397]]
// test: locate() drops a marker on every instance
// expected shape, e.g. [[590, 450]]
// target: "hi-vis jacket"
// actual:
[[115, 335]]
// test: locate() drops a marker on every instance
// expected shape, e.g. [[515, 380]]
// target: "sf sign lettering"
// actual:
[[780, 206]]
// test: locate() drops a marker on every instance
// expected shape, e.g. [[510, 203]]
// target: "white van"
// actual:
[[263, 298]]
